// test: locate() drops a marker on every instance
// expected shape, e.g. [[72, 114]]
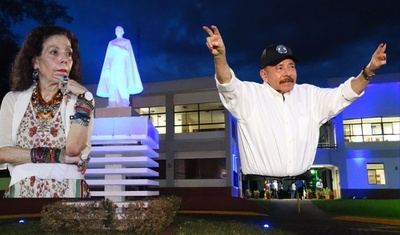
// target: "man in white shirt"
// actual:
[[319, 185], [279, 120]]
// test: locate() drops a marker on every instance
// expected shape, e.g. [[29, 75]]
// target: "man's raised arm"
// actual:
[[378, 59], [217, 48]]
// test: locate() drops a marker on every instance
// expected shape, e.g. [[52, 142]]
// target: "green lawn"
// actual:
[[184, 225], [371, 208], [193, 225]]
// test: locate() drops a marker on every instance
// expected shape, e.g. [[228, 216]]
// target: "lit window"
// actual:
[[375, 129], [199, 117], [156, 116], [376, 173]]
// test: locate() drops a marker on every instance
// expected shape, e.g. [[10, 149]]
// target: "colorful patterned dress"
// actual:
[[34, 132]]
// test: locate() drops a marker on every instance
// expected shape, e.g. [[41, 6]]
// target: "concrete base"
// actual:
[[115, 112]]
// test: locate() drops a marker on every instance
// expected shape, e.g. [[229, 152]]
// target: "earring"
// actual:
[[35, 75]]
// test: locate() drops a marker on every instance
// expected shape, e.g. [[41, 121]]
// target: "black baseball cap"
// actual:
[[274, 54]]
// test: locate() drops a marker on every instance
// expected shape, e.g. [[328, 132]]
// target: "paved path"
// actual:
[[283, 214]]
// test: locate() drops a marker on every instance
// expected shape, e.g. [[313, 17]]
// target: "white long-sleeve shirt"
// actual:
[[278, 134]]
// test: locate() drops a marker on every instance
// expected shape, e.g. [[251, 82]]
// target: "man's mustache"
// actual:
[[288, 79]]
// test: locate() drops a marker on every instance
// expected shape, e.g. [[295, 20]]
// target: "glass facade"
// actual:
[[374, 129], [156, 116], [199, 117]]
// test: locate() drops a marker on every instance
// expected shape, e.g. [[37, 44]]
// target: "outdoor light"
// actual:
[[266, 226], [21, 221]]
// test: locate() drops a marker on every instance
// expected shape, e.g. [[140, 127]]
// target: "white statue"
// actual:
[[119, 76]]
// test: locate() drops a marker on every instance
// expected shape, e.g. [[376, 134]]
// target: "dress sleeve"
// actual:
[[6, 115]]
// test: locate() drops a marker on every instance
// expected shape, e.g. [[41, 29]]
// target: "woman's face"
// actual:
[[55, 60]]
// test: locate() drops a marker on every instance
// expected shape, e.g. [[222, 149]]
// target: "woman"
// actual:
[[46, 119]]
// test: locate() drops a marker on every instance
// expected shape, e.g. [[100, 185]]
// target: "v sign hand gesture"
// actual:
[[217, 48], [214, 41]]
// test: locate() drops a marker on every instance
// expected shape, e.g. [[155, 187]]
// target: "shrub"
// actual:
[[72, 217], [110, 208], [326, 191], [138, 217], [152, 219], [256, 193]]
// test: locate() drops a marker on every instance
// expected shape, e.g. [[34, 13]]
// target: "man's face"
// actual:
[[281, 77]]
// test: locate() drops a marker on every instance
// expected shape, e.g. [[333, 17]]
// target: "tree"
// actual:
[[45, 12]]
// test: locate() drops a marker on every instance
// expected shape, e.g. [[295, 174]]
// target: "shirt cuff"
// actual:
[[226, 87], [347, 91]]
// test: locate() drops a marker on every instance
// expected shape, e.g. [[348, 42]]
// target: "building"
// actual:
[[358, 155], [367, 158]]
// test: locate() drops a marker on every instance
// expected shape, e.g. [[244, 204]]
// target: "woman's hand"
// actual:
[[67, 85], [81, 163]]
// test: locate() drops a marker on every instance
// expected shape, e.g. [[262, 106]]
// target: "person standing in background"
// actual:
[[293, 188], [300, 188], [319, 186]]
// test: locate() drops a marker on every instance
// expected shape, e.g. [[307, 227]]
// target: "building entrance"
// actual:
[[281, 188]]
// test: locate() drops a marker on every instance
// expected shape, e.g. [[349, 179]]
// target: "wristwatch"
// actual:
[[365, 75], [87, 96]]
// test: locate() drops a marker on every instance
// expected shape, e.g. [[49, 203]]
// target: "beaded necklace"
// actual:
[[45, 110]]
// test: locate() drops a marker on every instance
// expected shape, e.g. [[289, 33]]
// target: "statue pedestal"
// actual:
[[114, 112], [123, 155]]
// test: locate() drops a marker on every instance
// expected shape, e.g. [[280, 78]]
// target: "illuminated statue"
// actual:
[[120, 76]]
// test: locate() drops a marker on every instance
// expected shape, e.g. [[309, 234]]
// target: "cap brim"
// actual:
[[278, 60]]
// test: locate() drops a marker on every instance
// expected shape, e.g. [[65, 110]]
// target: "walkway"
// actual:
[[283, 214]]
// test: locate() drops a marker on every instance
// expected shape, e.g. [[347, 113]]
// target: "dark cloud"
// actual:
[[331, 38]]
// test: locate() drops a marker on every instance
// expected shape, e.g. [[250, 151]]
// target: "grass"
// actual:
[[185, 225], [215, 225], [212, 225], [369, 208]]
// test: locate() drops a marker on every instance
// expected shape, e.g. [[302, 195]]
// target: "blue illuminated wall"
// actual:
[[378, 100], [381, 98]]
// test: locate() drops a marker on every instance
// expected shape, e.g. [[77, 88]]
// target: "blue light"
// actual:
[[266, 226], [21, 221]]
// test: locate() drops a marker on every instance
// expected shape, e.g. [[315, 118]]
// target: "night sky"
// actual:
[[330, 38]]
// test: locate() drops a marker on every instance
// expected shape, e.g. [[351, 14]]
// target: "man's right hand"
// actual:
[[214, 41]]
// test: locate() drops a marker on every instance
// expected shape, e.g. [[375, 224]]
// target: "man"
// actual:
[[300, 188], [319, 185], [279, 120], [275, 189]]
